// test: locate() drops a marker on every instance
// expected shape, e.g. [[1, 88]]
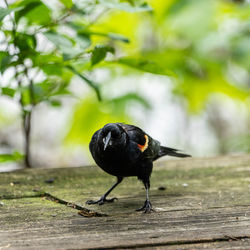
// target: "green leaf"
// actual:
[[4, 12], [35, 11], [52, 69], [84, 31], [55, 103], [67, 3], [81, 64], [83, 40], [145, 65], [69, 54], [5, 60], [99, 53], [27, 7], [44, 90], [15, 156], [58, 39], [40, 15], [64, 44], [113, 36], [76, 9], [25, 42], [118, 37], [136, 6], [46, 60], [8, 91]]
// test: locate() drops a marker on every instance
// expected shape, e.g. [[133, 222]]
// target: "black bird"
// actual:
[[125, 150]]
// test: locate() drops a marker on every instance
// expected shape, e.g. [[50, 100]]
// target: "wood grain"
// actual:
[[199, 203]]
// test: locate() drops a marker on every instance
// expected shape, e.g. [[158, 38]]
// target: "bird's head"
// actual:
[[113, 136]]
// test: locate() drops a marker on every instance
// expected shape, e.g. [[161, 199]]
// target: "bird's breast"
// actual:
[[118, 162]]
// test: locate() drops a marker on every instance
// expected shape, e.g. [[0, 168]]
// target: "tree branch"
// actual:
[[26, 115]]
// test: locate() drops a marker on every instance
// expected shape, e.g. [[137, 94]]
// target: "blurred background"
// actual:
[[178, 69]]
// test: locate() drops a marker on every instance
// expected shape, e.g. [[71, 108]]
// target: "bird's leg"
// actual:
[[103, 199], [147, 207]]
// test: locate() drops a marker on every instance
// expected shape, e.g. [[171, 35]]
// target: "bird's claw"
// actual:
[[147, 207], [101, 201]]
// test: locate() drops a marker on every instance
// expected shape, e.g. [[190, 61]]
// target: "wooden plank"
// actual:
[[230, 244], [207, 205]]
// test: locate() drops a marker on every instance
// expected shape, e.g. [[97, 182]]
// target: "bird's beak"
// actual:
[[106, 140]]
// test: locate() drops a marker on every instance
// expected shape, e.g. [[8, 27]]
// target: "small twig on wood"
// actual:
[[82, 210]]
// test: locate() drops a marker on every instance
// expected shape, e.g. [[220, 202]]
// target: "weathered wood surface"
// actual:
[[205, 205]]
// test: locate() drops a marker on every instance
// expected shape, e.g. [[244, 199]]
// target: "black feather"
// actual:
[[171, 152], [125, 150]]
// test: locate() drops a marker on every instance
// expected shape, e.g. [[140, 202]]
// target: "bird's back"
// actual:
[[148, 147]]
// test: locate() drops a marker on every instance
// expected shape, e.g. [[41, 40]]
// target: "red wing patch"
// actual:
[[145, 146]]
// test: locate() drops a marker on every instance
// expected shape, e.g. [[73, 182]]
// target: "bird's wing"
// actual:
[[145, 143], [135, 134]]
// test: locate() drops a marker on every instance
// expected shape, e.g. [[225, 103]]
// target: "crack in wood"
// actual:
[[172, 243], [208, 208]]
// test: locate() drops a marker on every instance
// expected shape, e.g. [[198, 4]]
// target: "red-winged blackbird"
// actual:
[[125, 150]]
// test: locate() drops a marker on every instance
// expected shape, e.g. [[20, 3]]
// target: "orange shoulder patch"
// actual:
[[145, 146]]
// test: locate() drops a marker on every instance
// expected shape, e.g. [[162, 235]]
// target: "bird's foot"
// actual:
[[101, 201], [146, 208]]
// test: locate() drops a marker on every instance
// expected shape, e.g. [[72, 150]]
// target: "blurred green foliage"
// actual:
[[202, 46], [15, 156], [198, 41], [43, 47], [91, 115]]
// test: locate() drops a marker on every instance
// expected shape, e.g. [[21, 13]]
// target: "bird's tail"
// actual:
[[171, 152]]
